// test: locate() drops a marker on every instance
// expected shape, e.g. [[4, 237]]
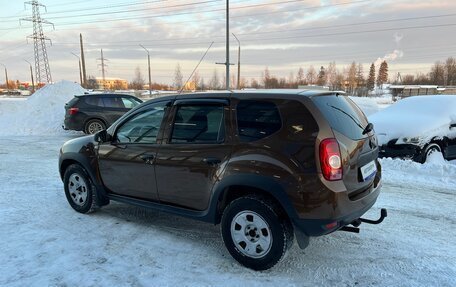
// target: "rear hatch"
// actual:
[[358, 145], [71, 104]]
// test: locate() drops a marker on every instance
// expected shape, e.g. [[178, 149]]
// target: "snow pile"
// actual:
[[421, 117], [42, 113], [434, 173]]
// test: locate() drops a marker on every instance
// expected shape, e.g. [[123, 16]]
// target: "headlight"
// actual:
[[406, 140]]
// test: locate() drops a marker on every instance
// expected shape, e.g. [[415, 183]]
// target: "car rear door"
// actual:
[[194, 154], [127, 163], [114, 108]]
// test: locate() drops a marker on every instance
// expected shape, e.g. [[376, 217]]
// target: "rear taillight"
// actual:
[[73, 111], [330, 160]]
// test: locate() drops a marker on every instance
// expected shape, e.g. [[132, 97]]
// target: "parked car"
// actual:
[[416, 127], [266, 165], [92, 113]]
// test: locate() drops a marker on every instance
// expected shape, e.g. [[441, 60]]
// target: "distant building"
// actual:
[[112, 83], [404, 91]]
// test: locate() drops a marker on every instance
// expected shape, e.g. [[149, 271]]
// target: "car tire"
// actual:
[[79, 190], [94, 126], [255, 233], [430, 149]]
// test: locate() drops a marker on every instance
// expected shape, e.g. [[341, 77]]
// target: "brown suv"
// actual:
[[267, 165]]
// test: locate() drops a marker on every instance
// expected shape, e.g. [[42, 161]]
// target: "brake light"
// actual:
[[73, 111], [330, 160]]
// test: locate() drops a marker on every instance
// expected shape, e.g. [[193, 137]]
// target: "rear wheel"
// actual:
[[254, 233], [79, 190], [94, 126]]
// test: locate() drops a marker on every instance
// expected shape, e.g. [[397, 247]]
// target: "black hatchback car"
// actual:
[[91, 113]]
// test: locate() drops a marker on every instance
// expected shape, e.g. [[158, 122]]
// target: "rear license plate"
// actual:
[[368, 171]]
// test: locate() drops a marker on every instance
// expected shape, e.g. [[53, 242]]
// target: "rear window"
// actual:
[[343, 115], [257, 120], [72, 102], [113, 102]]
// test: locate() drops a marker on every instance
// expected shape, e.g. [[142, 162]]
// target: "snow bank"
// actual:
[[41, 114], [435, 173]]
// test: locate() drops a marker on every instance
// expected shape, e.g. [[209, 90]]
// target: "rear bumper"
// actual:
[[72, 124], [317, 227]]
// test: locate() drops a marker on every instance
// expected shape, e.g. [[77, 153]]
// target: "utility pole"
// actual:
[[103, 65], [31, 75], [42, 69], [6, 76], [84, 75], [227, 44], [227, 60], [148, 64], [80, 72], [239, 63]]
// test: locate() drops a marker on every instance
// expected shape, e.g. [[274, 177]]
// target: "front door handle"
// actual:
[[147, 158], [212, 161]]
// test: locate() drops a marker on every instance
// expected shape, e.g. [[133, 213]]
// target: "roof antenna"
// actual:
[[191, 75]]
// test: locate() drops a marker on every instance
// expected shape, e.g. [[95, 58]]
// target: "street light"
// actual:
[[6, 76], [31, 75], [148, 64], [239, 62], [80, 70]]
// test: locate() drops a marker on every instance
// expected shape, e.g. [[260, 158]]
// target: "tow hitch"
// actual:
[[355, 224]]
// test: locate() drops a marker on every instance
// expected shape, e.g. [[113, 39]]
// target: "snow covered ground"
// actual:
[[43, 242]]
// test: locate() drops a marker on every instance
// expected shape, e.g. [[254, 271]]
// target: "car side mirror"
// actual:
[[452, 126], [102, 137]]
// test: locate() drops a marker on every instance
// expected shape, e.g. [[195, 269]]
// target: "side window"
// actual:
[[94, 101], [143, 127], [199, 124], [257, 120], [129, 103], [113, 102]]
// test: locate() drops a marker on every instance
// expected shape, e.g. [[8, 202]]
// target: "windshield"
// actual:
[[343, 115]]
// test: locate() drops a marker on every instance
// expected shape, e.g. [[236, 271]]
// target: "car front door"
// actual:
[[127, 163], [194, 154]]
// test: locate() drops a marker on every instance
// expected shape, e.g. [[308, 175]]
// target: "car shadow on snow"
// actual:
[[205, 238]]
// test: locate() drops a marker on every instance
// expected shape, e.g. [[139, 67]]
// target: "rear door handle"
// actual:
[[147, 157], [212, 161]]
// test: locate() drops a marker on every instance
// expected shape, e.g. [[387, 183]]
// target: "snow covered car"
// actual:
[[417, 126]]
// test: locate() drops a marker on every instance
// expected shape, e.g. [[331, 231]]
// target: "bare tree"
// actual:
[[331, 74], [351, 77], [300, 77], [311, 75], [214, 83], [178, 78], [450, 69], [138, 80], [437, 74]]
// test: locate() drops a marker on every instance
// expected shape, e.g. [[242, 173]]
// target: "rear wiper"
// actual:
[[368, 128]]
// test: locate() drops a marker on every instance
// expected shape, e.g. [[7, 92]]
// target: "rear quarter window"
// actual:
[[343, 115], [257, 120]]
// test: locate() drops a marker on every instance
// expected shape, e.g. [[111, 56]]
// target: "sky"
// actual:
[[282, 35]]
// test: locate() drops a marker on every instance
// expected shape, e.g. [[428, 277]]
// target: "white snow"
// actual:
[[420, 117], [43, 242], [42, 113], [371, 105]]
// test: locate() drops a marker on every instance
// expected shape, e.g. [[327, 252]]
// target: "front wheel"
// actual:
[[79, 190], [254, 233], [430, 149]]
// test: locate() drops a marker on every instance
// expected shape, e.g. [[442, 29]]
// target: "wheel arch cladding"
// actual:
[[235, 186]]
